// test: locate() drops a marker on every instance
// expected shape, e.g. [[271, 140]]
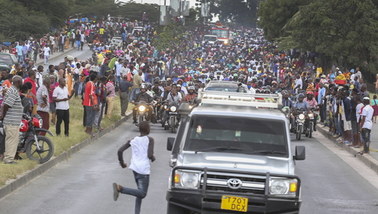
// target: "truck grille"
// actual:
[[249, 183]]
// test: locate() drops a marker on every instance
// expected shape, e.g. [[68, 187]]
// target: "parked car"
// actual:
[[8, 59]]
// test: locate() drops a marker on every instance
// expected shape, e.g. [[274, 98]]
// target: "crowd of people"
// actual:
[[136, 70]]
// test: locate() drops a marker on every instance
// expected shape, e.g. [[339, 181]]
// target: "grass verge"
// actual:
[[61, 143]]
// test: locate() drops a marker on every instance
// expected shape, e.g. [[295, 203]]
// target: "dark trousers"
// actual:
[[46, 121], [124, 102], [2, 143], [142, 182], [322, 112], [365, 134], [63, 115]]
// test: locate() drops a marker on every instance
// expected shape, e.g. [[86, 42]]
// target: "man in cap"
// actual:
[[366, 123]]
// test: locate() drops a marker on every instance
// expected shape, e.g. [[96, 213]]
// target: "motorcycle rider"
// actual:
[[299, 106], [173, 99], [312, 104], [191, 96], [142, 96]]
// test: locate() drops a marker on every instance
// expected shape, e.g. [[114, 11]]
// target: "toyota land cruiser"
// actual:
[[232, 154]]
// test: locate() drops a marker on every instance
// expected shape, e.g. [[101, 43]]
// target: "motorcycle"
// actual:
[[173, 119], [310, 124], [142, 109], [300, 119], [37, 147]]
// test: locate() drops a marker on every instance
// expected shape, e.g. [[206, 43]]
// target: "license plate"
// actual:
[[172, 112], [239, 204]]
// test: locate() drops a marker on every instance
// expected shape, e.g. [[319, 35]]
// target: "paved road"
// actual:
[[81, 55], [83, 183]]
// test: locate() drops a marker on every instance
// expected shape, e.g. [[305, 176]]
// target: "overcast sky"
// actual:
[[160, 2]]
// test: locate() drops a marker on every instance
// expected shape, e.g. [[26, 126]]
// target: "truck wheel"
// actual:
[[174, 209]]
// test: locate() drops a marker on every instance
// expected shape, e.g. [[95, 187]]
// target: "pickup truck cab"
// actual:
[[232, 154]]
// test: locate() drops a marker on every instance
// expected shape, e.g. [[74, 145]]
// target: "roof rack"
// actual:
[[272, 101]]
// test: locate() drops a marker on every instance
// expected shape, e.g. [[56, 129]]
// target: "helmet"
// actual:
[[191, 88], [301, 95], [310, 92], [143, 86]]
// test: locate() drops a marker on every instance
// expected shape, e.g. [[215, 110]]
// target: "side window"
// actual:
[[179, 136]]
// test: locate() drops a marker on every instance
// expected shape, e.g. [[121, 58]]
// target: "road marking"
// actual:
[[367, 173]]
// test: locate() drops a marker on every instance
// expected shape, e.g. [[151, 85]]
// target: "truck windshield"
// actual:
[[237, 135]]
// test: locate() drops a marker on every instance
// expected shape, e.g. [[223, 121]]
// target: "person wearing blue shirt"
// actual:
[[321, 96]]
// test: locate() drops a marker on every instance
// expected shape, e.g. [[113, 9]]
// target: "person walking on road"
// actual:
[[124, 87], [142, 152], [11, 115]]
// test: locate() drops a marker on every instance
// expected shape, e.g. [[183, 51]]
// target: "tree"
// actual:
[[345, 31], [18, 23], [275, 14]]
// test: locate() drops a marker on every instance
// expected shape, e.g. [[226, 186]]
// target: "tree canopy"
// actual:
[[344, 32], [23, 18]]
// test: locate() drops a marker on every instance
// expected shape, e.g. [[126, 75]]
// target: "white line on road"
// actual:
[[367, 173]]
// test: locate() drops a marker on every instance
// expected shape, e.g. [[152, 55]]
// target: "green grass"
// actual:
[[61, 143]]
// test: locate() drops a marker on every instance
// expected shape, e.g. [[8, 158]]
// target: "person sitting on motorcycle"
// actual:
[[191, 96], [173, 99], [300, 104], [310, 100], [142, 96], [312, 104]]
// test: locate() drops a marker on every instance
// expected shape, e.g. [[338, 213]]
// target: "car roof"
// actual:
[[238, 111]]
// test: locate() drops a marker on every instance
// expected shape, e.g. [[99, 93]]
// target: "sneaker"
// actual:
[[115, 192], [347, 143], [9, 162]]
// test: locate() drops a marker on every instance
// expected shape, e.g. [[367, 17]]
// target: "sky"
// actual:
[[160, 2]]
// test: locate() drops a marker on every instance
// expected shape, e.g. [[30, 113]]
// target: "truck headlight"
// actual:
[[283, 187], [186, 179], [173, 108], [142, 108]]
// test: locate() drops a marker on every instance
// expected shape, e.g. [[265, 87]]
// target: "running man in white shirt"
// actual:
[[142, 153]]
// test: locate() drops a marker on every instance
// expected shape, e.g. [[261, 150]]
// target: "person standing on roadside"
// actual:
[[32, 80], [90, 103], [61, 97], [43, 108], [110, 90], [142, 153], [366, 123], [11, 115], [124, 87]]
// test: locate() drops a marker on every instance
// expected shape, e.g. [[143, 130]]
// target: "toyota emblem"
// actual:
[[234, 183]]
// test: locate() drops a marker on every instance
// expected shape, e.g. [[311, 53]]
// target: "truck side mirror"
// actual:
[[300, 153], [170, 143]]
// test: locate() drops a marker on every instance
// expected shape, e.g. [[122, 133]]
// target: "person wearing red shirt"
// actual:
[[90, 103], [33, 90]]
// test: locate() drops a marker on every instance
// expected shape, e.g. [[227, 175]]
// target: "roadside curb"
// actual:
[[30, 175], [367, 159], [56, 56]]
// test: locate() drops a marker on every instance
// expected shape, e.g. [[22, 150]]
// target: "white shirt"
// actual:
[[139, 155], [61, 93], [358, 111], [298, 82], [368, 112], [46, 51]]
